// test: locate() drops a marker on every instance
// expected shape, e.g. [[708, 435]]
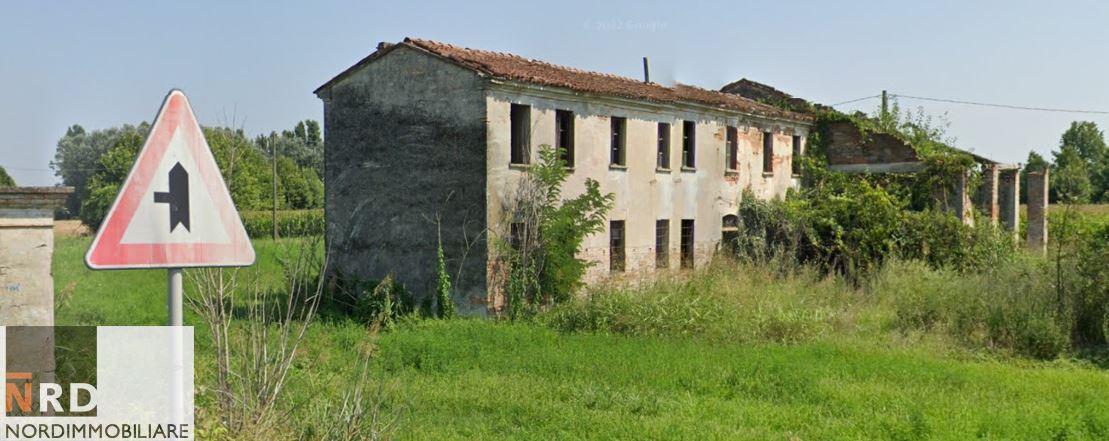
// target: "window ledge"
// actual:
[[688, 169], [515, 166], [662, 170], [767, 174], [617, 167], [731, 172]]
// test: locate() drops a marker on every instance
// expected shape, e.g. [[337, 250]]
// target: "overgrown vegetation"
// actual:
[[6, 179], [540, 245]]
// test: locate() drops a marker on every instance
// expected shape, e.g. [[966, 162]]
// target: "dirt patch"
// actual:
[[70, 228]]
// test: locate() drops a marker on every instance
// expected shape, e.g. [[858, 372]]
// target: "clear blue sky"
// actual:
[[254, 64]]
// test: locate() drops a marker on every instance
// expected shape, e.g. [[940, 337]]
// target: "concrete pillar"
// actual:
[[987, 198], [959, 201], [26, 252], [1008, 199], [1037, 210]]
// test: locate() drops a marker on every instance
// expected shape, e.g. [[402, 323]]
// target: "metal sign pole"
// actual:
[[174, 296]]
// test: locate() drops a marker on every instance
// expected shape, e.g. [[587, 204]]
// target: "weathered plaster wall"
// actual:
[[644, 193], [26, 254], [405, 142]]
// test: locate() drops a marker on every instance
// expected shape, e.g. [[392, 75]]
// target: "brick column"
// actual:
[[987, 198], [26, 252], [1008, 198], [1037, 210]]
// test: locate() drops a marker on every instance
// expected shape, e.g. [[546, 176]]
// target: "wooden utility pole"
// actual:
[[273, 152], [885, 104]]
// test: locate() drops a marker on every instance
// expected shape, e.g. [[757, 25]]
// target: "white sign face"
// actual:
[[174, 209], [150, 220]]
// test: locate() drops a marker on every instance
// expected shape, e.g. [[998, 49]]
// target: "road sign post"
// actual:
[[173, 210], [174, 295]]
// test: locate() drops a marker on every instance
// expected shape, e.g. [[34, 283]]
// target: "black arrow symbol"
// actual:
[[177, 197]]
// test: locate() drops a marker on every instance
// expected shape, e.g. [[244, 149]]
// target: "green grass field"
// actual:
[[480, 379]]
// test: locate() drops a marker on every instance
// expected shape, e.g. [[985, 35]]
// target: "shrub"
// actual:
[[290, 223], [543, 262]]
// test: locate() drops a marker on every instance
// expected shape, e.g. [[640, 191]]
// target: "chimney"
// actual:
[[646, 71]]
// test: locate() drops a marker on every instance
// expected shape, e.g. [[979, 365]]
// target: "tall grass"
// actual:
[[1005, 310], [729, 301]]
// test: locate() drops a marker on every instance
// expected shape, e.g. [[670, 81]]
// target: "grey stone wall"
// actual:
[[405, 145]]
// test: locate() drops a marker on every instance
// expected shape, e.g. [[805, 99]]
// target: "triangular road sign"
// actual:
[[174, 209]]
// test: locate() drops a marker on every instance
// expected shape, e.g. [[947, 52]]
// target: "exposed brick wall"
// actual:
[[848, 145]]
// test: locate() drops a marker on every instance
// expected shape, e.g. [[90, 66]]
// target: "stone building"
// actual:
[[425, 143]]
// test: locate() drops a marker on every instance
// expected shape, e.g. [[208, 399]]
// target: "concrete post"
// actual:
[[1037, 210], [26, 253], [1008, 198], [988, 193], [960, 200]]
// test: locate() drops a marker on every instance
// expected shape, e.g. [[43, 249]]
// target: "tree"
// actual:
[[6, 179], [1035, 162], [1088, 143], [78, 155], [303, 144], [1069, 176]]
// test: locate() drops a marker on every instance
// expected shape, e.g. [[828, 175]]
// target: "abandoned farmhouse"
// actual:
[[426, 142]]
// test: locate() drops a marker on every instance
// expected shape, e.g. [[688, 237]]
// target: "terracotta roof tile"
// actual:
[[516, 68]]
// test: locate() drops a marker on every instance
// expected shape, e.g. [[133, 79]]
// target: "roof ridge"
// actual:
[[513, 67]]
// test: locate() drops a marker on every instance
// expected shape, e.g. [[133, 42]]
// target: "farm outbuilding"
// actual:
[[426, 142]]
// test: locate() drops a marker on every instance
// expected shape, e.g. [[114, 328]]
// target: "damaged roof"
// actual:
[[512, 67]]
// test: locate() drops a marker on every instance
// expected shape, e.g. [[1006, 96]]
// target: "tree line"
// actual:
[[1079, 168], [95, 163]]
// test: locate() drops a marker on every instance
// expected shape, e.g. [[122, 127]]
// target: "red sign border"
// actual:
[[107, 252]]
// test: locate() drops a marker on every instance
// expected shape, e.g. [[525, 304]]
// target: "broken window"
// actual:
[[663, 146], [619, 140], [616, 246], [731, 156], [564, 138], [689, 143], [662, 243], [795, 163], [767, 152], [521, 134], [687, 243]]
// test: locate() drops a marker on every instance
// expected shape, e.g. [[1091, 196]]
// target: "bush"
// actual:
[[290, 223]]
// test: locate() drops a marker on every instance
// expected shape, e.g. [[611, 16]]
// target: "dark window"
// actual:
[[730, 230], [731, 156], [689, 143], [564, 138], [521, 134], [516, 235], [795, 163], [616, 246], [662, 243], [619, 140], [663, 145], [687, 243], [767, 152]]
